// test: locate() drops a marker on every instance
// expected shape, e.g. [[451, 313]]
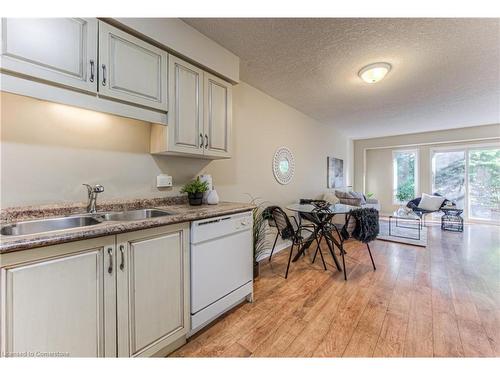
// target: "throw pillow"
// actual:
[[330, 197], [341, 194], [361, 196], [430, 202], [348, 197]]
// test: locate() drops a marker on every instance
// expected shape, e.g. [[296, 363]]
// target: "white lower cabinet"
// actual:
[[59, 300], [153, 290], [125, 295]]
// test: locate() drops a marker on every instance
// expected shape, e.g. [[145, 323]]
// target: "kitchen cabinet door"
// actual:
[[152, 289], [62, 51], [185, 115], [62, 305], [131, 70], [218, 116]]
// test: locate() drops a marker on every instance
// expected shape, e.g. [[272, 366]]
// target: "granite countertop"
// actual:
[[181, 212]]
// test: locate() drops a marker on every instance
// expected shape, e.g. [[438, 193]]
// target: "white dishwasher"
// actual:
[[221, 266]]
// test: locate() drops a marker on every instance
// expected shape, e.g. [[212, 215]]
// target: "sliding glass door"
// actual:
[[470, 177], [484, 184]]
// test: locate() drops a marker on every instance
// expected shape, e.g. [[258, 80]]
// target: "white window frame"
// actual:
[[394, 174]]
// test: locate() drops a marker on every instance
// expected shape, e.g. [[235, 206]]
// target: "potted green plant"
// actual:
[[195, 190], [260, 231], [403, 195]]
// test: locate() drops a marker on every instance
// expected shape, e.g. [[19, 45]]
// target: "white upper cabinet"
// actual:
[[59, 50], [44, 57], [185, 128], [199, 116], [131, 70], [218, 116]]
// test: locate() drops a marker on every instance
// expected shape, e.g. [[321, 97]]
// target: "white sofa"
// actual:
[[351, 198]]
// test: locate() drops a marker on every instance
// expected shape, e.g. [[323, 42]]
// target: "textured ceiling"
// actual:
[[446, 72]]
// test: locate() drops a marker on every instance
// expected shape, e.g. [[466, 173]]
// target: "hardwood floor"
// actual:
[[441, 301]]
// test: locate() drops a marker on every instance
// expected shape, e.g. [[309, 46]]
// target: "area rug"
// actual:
[[401, 234]]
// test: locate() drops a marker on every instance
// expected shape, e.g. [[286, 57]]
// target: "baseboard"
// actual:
[[279, 247], [164, 352]]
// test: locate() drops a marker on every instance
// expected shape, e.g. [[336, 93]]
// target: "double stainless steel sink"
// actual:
[[47, 225], [78, 221], [132, 215]]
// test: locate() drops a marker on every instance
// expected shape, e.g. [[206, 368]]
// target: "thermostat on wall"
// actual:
[[163, 180]]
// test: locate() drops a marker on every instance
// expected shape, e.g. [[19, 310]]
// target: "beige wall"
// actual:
[[262, 124], [48, 150], [376, 171]]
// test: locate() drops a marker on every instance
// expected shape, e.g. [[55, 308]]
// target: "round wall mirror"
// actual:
[[283, 165]]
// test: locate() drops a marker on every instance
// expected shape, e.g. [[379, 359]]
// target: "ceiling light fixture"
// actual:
[[374, 72]]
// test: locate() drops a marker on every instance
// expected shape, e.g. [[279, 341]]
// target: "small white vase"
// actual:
[[213, 197], [208, 179], [205, 196]]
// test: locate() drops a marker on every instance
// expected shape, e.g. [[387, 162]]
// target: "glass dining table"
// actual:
[[321, 218]]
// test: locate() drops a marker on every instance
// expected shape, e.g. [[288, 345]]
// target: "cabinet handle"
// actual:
[[201, 140], [91, 71], [110, 253], [103, 74], [206, 141], [122, 252]]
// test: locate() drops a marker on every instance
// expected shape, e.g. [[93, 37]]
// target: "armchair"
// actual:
[[420, 212]]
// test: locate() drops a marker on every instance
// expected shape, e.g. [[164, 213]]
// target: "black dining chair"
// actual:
[[288, 232], [270, 221], [361, 224], [272, 224]]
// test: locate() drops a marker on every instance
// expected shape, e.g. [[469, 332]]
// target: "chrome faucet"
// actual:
[[92, 201]]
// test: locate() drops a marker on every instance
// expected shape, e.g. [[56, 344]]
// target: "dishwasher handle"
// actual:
[[214, 221]]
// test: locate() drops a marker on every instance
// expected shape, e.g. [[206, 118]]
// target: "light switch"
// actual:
[[163, 180]]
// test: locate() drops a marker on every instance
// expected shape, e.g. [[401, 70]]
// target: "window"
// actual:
[[448, 175], [404, 175]]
